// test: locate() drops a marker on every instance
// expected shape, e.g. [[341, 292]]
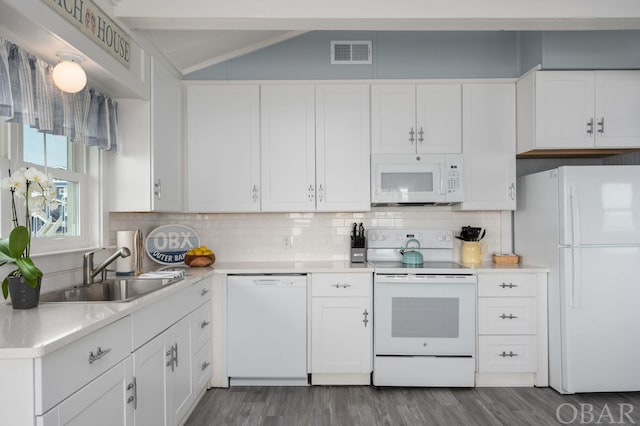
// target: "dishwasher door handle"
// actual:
[[266, 282]]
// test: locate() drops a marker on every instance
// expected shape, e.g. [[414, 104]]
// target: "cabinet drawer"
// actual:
[[343, 285], [67, 369], [202, 327], [507, 354], [507, 315], [202, 291], [202, 367], [506, 285]]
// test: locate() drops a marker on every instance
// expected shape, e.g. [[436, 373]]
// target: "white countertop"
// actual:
[[32, 333], [495, 267], [340, 267]]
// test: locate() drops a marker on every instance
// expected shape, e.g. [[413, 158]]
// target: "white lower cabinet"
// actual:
[[106, 401], [162, 369], [341, 329], [512, 323], [166, 367]]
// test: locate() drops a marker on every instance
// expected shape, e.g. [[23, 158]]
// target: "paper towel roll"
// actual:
[[125, 265]]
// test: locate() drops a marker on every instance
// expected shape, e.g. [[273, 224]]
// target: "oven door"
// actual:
[[425, 315]]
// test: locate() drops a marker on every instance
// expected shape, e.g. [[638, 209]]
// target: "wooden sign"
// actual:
[[97, 25]]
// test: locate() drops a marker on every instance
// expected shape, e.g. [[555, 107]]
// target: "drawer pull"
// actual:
[[510, 354], [338, 285], [204, 291], [133, 398], [205, 365], [510, 316], [204, 324], [510, 285], [99, 354]]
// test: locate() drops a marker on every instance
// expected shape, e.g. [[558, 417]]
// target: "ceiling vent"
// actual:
[[350, 52]]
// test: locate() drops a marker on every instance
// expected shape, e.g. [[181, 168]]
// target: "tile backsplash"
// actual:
[[311, 236]]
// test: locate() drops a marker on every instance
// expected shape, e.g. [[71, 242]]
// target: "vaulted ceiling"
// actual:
[[194, 34]]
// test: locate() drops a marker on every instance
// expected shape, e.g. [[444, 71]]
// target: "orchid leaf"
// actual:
[[5, 287], [4, 246], [28, 270], [18, 241]]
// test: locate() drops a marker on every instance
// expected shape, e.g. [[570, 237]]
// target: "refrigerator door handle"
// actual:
[[576, 278], [575, 216]]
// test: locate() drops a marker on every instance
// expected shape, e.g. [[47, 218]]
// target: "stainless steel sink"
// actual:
[[115, 290]]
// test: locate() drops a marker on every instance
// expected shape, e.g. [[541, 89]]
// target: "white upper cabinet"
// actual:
[[423, 118], [489, 144], [617, 109], [564, 110], [149, 161], [166, 134], [223, 148], [315, 147], [288, 147], [342, 147]]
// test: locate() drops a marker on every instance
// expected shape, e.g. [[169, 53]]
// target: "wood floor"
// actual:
[[367, 405]]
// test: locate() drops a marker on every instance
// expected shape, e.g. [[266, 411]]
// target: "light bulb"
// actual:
[[69, 76]]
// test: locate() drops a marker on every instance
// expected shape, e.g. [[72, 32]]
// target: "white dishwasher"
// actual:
[[267, 330]]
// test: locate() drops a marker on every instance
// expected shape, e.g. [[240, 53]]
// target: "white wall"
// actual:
[[310, 236]]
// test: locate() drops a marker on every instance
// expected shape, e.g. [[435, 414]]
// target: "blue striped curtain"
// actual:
[[29, 96]]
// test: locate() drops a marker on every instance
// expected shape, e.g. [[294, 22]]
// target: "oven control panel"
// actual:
[[397, 237]]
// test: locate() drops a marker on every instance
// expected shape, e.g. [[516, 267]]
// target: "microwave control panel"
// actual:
[[453, 181]]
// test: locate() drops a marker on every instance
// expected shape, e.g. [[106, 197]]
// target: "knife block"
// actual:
[[358, 255]]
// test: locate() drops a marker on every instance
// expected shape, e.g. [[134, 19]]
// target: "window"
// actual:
[[62, 227]]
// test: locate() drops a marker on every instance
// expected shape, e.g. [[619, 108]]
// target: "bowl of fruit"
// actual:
[[199, 256]]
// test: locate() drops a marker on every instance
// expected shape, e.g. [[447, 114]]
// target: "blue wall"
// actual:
[[395, 55], [433, 54]]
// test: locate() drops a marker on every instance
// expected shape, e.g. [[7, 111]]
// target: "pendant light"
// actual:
[[68, 75]]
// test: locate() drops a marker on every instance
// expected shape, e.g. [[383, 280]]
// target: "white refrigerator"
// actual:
[[583, 222]]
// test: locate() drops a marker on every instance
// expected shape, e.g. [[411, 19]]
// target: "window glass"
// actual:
[[22, 146]]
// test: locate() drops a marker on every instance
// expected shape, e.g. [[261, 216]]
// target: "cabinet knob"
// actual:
[[411, 134], [157, 189], [590, 126], [510, 316], [204, 324], [99, 354], [254, 194], [601, 124], [510, 285], [421, 135], [365, 314]]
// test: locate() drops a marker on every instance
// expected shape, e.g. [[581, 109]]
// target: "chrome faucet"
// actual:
[[89, 272]]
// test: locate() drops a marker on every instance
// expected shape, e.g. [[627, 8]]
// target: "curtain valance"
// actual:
[[29, 96]]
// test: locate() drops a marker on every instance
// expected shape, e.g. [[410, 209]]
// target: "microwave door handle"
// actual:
[[441, 180]]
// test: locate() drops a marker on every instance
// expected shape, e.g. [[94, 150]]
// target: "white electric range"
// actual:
[[424, 315]]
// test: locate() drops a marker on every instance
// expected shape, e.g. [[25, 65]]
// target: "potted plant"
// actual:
[[36, 189]]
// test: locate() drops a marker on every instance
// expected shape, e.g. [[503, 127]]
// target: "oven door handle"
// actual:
[[425, 279]]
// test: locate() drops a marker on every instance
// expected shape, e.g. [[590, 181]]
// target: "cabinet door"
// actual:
[[151, 370], [489, 146], [564, 109], [166, 139], [180, 376], [393, 119], [341, 339], [617, 109], [102, 402], [439, 118], [342, 148], [288, 148], [223, 148]]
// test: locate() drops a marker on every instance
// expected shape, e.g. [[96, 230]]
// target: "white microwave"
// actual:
[[416, 179]]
